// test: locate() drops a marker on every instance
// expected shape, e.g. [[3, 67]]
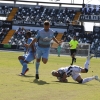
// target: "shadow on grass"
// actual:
[[81, 83], [66, 82], [74, 83], [40, 82], [27, 76]]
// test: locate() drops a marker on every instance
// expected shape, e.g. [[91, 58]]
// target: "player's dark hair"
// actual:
[[28, 33], [46, 23], [74, 36]]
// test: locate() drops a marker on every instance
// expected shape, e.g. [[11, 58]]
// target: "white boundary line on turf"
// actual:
[[9, 51], [69, 56], [50, 54]]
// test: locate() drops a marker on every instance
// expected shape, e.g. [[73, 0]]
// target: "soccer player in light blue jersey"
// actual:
[[43, 39], [26, 58]]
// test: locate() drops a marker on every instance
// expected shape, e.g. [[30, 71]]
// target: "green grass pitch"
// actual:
[[14, 87]]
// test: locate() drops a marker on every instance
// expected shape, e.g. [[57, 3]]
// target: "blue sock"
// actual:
[[37, 67], [21, 61], [24, 68]]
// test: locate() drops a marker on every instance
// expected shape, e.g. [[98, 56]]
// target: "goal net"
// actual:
[[82, 50]]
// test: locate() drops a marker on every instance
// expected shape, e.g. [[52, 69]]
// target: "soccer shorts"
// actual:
[[76, 72], [29, 57], [73, 51], [42, 52]]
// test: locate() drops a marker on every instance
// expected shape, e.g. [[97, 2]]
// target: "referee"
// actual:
[[73, 44]]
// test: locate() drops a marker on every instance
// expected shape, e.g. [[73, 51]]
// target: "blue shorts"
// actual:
[[42, 52], [29, 57]]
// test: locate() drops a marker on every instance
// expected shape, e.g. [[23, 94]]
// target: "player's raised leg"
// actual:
[[85, 70], [21, 59], [27, 59], [86, 65]]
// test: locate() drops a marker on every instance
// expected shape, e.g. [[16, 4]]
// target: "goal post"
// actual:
[[82, 50]]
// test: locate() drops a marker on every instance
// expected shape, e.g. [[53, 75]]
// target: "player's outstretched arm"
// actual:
[[29, 45], [34, 40], [63, 79], [56, 40]]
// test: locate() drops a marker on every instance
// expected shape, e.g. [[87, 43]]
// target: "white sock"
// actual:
[[88, 79], [86, 65]]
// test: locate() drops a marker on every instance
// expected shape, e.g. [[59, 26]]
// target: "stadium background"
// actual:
[[17, 16]]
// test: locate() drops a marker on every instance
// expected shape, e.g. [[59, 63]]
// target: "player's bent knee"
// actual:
[[26, 61], [19, 58], [80, 81], [86, 70], [45, 62]]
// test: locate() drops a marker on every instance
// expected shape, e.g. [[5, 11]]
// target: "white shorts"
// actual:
[[75, 75], [76, 70]]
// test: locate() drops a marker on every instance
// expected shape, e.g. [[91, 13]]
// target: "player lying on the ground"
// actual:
[[74, 71], [25, 59]]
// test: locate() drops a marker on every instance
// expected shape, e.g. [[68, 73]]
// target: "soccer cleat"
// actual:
[[26, 71], [37, 76], [97, 78], [21, 74]]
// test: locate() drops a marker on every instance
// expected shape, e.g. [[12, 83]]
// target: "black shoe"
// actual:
[[71, 64], [37, 76]]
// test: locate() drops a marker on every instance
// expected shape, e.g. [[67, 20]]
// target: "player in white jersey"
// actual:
[[74, 71], [29, 56]]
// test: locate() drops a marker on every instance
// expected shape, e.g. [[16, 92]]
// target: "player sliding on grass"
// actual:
[[25, 59], [74, 71]]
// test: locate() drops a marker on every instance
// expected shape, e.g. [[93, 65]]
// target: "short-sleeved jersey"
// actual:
[[68, 70], [28, 42], [73, 44], [44, 38]]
